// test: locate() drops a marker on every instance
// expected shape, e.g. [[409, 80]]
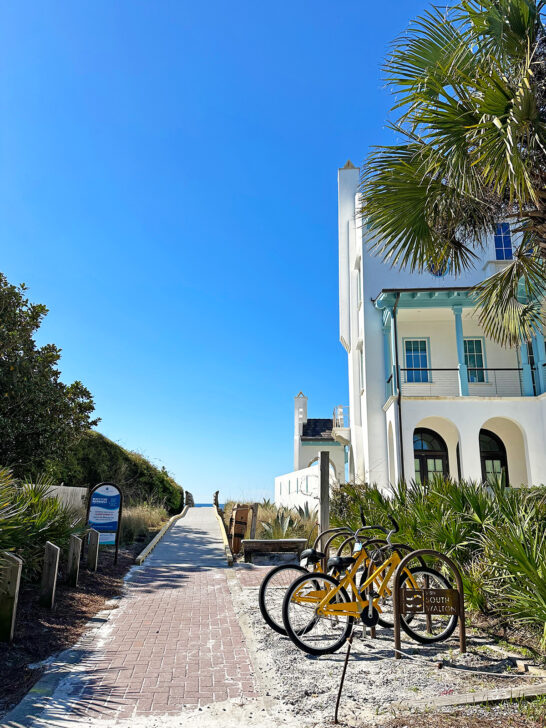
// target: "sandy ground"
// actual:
[[297, 691], [377, 687]]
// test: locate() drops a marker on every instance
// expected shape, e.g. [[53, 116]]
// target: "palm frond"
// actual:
[[509, 302]]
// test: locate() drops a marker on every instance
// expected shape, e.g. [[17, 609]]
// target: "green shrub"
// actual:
[[95, 459], [30, 517], [497, 535]]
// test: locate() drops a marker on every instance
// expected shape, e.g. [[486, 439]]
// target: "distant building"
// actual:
[[429, 392], [311, 437]]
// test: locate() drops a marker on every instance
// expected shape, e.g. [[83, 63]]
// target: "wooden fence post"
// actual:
[[254, 520], [324, 492], [93, 550], [49, 575], [9, 593], [74, 553]]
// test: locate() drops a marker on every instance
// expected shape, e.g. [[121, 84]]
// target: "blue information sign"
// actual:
[[105, 512]]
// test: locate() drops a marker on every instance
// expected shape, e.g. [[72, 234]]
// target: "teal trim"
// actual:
[[426, 339], [463, 371], [314, 443], [540, 358], [429, 298], [387, 355], [393, 350], [527, 375]]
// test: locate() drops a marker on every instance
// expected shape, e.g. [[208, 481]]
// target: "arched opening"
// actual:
[[332, 468], [512, 445], [493, 457], [430, 455]]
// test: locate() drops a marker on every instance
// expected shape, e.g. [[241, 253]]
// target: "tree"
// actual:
[[470, 86], [40, 416], [94, 458]]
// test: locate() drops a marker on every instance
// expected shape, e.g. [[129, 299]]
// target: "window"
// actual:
[[474, 360], [416, 360], [503, 242], [439, 269], [493, 457], [430, 455]]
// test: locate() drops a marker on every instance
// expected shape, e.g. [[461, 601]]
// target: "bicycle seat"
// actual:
[[340, 563], [312, 555]]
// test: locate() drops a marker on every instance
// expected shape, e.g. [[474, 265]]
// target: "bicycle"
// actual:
[[334, 612], [276, 581]]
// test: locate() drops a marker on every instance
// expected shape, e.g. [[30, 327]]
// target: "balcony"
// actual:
[[481, 382], [341, 425]]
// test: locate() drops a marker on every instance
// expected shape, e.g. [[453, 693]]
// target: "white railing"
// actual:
[[341, 416], [480, 382]]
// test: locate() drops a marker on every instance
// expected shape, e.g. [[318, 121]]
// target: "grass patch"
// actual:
[[139, 521]]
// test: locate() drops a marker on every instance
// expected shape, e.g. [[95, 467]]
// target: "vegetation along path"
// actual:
[[173, 642]]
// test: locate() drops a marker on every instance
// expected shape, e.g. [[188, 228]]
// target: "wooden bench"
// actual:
[[270, 546]]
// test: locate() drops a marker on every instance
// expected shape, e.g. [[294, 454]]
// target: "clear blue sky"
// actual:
[[168, 189]]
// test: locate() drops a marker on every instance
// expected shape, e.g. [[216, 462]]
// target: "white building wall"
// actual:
[[300, 487], [373, 421]]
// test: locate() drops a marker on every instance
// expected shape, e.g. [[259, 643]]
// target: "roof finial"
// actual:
[[349, 165]]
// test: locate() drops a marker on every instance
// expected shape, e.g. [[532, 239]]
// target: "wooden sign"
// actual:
[[429, 601], [237, 527]]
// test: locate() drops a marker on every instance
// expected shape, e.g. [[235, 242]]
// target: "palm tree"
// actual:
[[470, 90]]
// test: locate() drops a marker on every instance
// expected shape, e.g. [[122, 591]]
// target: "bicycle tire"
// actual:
[[404, 623], [262, 594], [294, 635]]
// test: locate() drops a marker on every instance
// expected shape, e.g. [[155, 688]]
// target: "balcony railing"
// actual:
[[429, 382], [341, 416], [481, 382]]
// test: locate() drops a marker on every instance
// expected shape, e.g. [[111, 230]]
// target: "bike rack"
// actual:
[[428, 601]]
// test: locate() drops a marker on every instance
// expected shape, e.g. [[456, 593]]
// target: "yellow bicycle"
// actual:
[[318, 613]]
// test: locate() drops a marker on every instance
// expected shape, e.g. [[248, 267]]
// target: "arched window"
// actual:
[[493, 457], [430, 455]]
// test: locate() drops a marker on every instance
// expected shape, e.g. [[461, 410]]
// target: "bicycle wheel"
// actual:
[[309, 631], [424, 628], [272, 591]]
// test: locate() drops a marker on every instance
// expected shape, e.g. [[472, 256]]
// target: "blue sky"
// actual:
[[168, 189]]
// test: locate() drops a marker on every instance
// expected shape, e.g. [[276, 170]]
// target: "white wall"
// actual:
[[361, 326], [518, 421], [69, 495], [299, 487], [310, 450]]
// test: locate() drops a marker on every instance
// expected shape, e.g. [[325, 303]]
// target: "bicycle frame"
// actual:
[[323, 598]]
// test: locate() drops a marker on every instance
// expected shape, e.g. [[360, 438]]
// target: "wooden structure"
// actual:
[[93, 550], [50, 568], [254, 546], [10, 579], [428, 601], [237, 526], [74, 553], [254, 521], [324, 492]]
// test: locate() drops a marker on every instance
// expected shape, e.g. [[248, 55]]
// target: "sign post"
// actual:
[[104, 513], [428, 601]]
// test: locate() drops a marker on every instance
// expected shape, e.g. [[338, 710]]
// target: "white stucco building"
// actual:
[[428, 391], [311, 437]]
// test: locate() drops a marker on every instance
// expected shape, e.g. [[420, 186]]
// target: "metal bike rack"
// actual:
[[428, 601]]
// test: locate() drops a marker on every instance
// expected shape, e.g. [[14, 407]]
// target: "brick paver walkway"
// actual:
[[175, 640]]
